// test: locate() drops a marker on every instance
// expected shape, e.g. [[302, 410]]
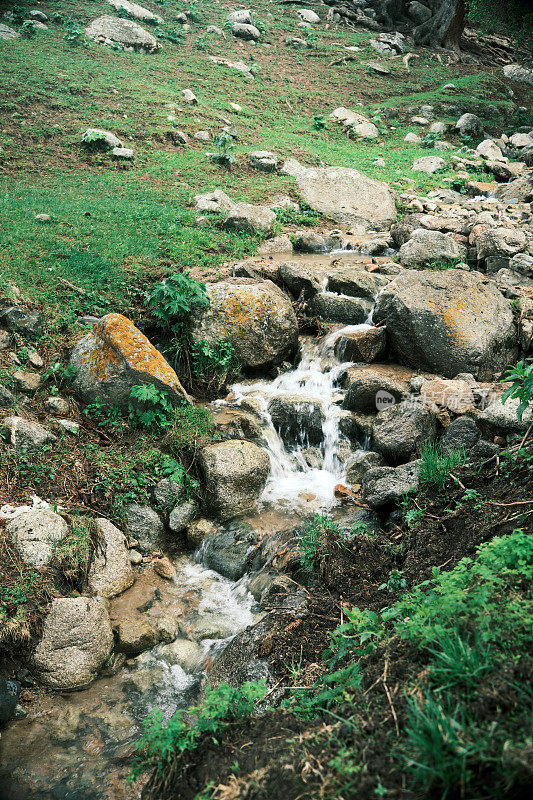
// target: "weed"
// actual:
[[193, 429], [150, 408], [312, 539], [173, 299], [74, 553], [521, 379], [58, 375], [95, 141], [28, 29], [459, 661], [395, 583], [319, 122], [214, 364], [437, 465], [225, 152]]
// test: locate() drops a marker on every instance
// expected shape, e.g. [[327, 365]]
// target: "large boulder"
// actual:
[[249, 218], [77, 640], [368, 388], [384, 485], [255, 316], [500, 242], [144, 525], [116, 356], [502, 418], [401, 430], [449, 321], [347, 196], [35, 534], [123, 32], [355, 282], [334, 307], [245, 31], [235, 473], [363, 346], [469, 125], [520, 190], [111, 572], [426, 247], [25, 435], [298, 419]]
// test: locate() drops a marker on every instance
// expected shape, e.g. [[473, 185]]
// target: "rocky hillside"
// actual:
[[266, 384]]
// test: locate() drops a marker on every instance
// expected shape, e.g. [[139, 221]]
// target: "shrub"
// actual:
[[437, 466], [95, 141], [520, 378], [73, 554], [193, 428], [150, 408], [214, 364], [312, 539], [28, 29], [225, 152], [174, 298]]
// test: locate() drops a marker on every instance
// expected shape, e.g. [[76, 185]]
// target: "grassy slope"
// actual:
[[51, 91]]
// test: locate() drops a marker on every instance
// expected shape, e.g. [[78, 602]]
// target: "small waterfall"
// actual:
[[293, 484]]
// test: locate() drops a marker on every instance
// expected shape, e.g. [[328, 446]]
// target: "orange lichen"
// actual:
[[458, 314], [241, 307]]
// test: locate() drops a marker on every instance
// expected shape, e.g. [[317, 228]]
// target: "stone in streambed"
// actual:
[[235, 473]]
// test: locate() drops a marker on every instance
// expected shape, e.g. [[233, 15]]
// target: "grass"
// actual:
[[437, 466]]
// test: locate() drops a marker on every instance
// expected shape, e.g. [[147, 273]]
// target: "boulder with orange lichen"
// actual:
[[448, 321], [116, 356], [255, 316]]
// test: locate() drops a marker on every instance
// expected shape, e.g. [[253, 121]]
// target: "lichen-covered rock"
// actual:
[[111, 572], [235, 473], [23, 434], [347, 196], [77, 640], [116, 356], [124, 32], [448, 321], [35, 534], [426, 247], [255, 316]]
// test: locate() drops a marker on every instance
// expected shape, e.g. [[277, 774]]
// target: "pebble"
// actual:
[[136, 557], [43, 218]]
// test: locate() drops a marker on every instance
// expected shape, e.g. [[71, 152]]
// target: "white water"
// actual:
[[292, 483]]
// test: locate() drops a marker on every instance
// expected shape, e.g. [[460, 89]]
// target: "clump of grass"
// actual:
[[193, 429], [73, 554], [437, 466]]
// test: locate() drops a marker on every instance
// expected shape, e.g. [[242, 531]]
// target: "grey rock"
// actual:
[[358, 465], [77, 640], [111, 141], [428, 164], [355, 282], [25, 435], [122, 153], [311, 242], [199, 530], [255, 316], [402, 230], [228, 552], [425, 247], [519, 190], [500, 242], [264, 160], [502, 418], [298, 419], [110, 573], [247, 32], [9, 694], [134, 637], [384, 485], [136, 11], [188, 655], [448, 321], [418, 12], [7, 33], [20, 320], [401, 430], [7, 398], [469, 125], [250, 218], [338, 308], [489, 150], [523, 263], [213, 201], [57, 405], [235, 473], [35, 534], [461, 434], [300, 278], [6, 340], [27, 382], [518, 73], [69, 426], [124, 32], [181, 516], [362, 394], [168, 494], [363, 346], [243, 16], [144, 524], [309, 16]]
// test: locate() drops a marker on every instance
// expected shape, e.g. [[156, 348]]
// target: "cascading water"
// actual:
[[293, 482]]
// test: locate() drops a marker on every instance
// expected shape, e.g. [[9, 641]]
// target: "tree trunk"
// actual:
[[445, 27]]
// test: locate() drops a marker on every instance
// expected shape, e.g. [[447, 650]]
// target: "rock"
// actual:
[[275, 246], [438, 127], [250, 218], [418, 12], [461, 434], [240, 66], [110, 572], [500, 242], [255, 316], [136, 11], [443, 146], [114, 357], [136, 558], [367, 392], [455, 395], [504, 172], [384, 485], [168, 494], [198, 531], [426, 247], [347, 196], [35, 359], [188, 655], [428, 164], [122, 153], [182, 515], [413, 138], [57, 405], [336, 308], [6, 340], [25, 435], [7, 33], [77, 640], [311, 242], [235, 473], [489, 150], [189, 97], [168, 629], [298, 419], [202, 136], [292, 167], [520, 140], [9, 695], [7, 398], [448, 321], [523, 263], [469, 125], [355, 282], [144, 524], [520, 190], [124, 32], [164, 568], [20, 320], [69, 426], [247, 32], [365, 345], [35, 534], [307, 15], [518, 73], [401, 430], [366, 130], [43, 218], [134, 637], [264, 160], [420, 121], [213, 201], [358, 465], [402, 230], [502, 418], [300, 278], [228, 552], [243, 16], [27, 382]]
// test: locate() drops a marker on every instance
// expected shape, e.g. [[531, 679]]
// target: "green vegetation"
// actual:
[[312, 537], [521, 379], [161, 742], [174, 298], [437, 466]]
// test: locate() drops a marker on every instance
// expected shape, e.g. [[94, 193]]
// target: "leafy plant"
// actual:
[[429, 140], [28, 29], [150, 407], [174, 298], [521, 379], [319, 122], [73, 554], [172, 33], [214, 364], [395, 583], [312, 538], [160, 743], [193, 429], [437, 465], [225, 152], [95, 141], [57, 374]]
